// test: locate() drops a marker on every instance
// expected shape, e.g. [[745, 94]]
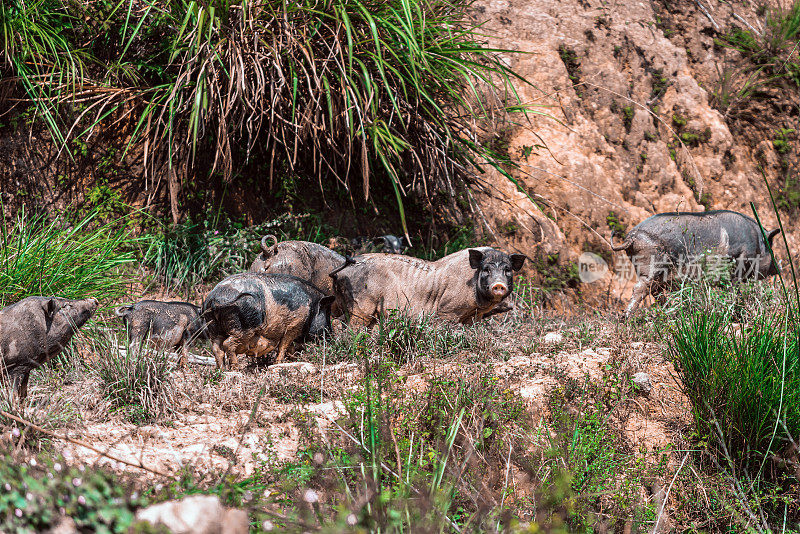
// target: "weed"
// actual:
[[659, 84], [627, 117], [616, 226], [601, 473], [781, 142], [136, 380], [788, 196], [71, 259], [41, 491], [554, 276], [572, 64]]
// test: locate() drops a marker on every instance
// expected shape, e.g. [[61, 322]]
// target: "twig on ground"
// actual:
[[83, 444]]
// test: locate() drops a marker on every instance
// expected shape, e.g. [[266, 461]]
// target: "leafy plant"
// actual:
[[40, 492]]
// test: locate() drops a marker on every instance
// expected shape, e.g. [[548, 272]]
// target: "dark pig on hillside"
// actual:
[[684, 243], [463, 287], [171, 325], [387, 244], [34, 330], [303, 259], [256, 313]]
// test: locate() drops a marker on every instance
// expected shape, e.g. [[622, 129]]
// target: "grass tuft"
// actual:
[[136, 380], [81, 259]]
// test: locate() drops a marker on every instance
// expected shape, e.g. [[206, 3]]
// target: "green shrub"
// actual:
[[39, 492], [353, 88], [743, 383], [71, 259]]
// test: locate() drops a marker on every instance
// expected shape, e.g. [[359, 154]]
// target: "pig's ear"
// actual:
[[326, 302], [772, 234], [50, 307], [516, 261], [475, 258]]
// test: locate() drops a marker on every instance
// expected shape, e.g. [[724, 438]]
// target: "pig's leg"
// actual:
[[219, 353], [640, 291], [180, 339], [184, 354], [262, 347], [284, 345], [360, 318], [22, 386], [233, 345]]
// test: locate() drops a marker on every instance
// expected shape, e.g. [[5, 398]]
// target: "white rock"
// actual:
[[297, 367], [199, 514], [553, 338], [65, 525], [642, 382]]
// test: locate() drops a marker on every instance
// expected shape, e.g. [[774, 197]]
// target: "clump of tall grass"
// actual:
[[135, 379], [741, 373], [79, 259], [354, 89], [743, 382]]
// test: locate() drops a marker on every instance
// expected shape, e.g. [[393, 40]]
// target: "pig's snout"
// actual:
[[499, 290]]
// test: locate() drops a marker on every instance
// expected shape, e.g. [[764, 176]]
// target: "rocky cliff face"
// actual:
[[645, 115]]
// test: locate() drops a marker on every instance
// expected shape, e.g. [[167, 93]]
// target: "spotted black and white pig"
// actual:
[[256, 313]]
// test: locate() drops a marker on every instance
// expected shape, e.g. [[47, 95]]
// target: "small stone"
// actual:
[[201, 514], [65, 525], [553, 338], [641, 381]]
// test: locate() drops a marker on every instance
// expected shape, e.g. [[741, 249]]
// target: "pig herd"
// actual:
[[290, 295], [294, 289]]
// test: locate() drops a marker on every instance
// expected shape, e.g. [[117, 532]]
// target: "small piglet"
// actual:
[[256, 313], [387, 244], [34, 330], [170, 325]]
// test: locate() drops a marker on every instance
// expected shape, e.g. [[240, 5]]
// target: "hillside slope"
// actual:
[[621, 81]]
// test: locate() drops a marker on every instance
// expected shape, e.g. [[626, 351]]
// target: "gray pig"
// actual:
[[171, 325], [387, 244], [34, 330], [306, 260], [463, 287], [663, 244], [256, 313]]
